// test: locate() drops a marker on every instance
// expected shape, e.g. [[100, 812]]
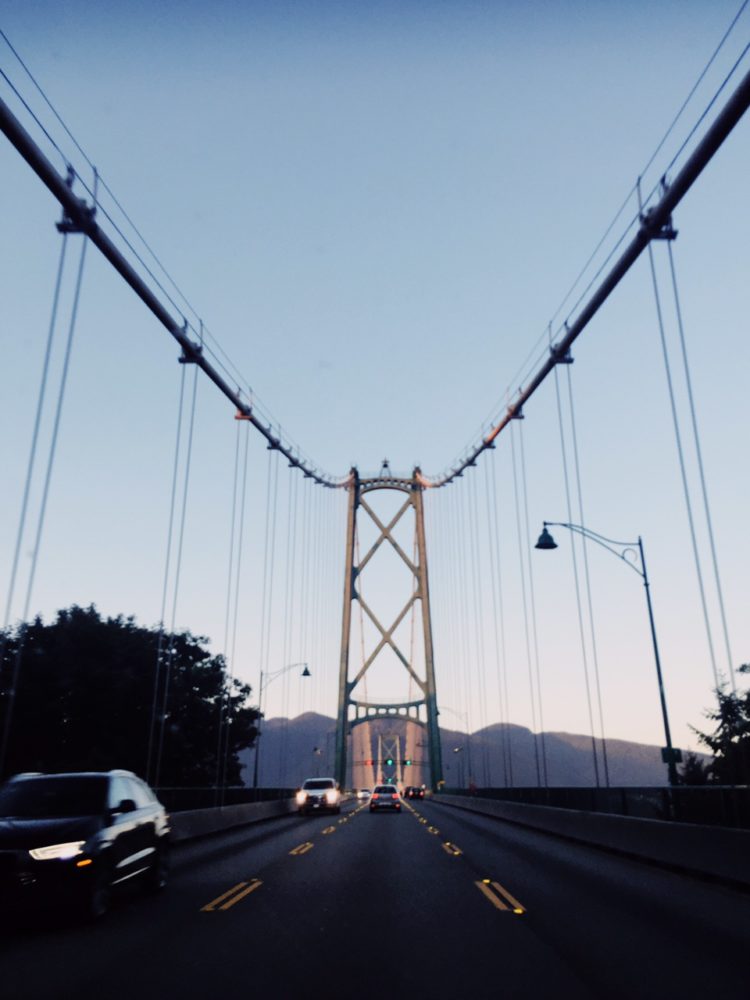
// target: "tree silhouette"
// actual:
[[730, 741], [87, 687]]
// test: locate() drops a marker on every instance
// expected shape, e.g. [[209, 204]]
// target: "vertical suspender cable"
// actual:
[[701, 471], [522, 566], [16, 669], [587, 576], [473, 523], [584, 655], [165, 587], [223, 691], [25, 506], [287, 629], [178, 568], [271, 560], [683, 470], [35, 433], [464, 625], [238, 567], [264, 602], [532, 602], [499, 623]]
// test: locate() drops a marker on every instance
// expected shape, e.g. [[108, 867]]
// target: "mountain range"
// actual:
[[498, 755]]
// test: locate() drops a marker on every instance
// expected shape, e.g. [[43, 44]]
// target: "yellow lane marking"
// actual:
[[517, 908], [255, 884], [302, 848], [499, 896], [423, 820], [329, 829], [238, 891], [432, 829], [451, 849], [491, 895]]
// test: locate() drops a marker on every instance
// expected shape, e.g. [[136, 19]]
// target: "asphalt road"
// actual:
[[430, 903]]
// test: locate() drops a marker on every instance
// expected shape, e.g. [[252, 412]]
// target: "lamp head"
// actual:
[[545, 541]]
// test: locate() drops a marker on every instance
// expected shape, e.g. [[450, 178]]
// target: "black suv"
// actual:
[[413, 792], [76, 836]]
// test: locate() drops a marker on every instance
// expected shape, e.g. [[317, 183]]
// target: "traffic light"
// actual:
[[388, 761], [407, 762]]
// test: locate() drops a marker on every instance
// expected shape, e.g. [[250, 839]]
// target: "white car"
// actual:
[[364, 794], [319, 795]]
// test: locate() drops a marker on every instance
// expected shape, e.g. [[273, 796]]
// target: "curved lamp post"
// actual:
[[265, 680], [464, 716], [625, 551]]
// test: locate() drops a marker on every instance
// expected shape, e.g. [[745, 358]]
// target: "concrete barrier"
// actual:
[[708, 851], [200, 822]]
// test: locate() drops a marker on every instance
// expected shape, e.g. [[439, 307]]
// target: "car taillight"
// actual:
[[376, 796]]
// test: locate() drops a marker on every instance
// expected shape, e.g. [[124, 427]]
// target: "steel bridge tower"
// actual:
[[422, 710]]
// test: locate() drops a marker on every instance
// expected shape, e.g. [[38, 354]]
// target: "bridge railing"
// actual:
[[184, 799], [719, 805]]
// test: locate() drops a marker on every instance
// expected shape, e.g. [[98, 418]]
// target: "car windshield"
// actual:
[[318, 784], [386, 790], [41, 798]]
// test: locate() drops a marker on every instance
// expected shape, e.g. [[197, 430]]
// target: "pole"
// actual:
[[671, 765], [257, 735]]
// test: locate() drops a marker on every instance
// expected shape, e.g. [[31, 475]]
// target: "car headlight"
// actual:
[[332, 796], [301, 798], [60, 851]]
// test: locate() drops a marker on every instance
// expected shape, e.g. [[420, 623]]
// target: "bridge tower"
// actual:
[[420, 710]]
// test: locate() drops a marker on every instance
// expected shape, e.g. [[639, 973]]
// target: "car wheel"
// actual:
[[158, 873], [98, 898]]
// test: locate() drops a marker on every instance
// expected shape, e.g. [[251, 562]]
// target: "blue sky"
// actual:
[[377, 209]]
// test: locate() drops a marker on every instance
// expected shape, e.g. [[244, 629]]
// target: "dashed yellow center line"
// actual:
[[231, 896], [329, 829], [499, 897], [302, 848], [432, 829], [450, 848]]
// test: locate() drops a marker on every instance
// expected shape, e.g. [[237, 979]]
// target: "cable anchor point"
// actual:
[[560, 356], [652, 231]]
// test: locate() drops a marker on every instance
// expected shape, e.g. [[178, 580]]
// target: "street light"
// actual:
[[464, 716], [625, 551], [261, 688]]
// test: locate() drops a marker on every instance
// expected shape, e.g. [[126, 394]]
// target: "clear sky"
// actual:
[[377, 209]]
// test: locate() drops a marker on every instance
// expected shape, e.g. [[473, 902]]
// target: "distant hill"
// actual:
[[293, 749]]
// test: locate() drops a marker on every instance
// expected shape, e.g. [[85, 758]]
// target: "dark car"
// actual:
[[413, 792], [74, 837], [385, 797]]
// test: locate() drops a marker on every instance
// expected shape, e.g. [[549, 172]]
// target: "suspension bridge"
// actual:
[[401, 603]]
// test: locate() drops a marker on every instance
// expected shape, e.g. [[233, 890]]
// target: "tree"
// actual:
[[694, 771], [730, 741], [86, 693]]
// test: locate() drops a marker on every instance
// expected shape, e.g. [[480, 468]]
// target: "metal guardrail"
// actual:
[[184, 799], [723, 805]]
